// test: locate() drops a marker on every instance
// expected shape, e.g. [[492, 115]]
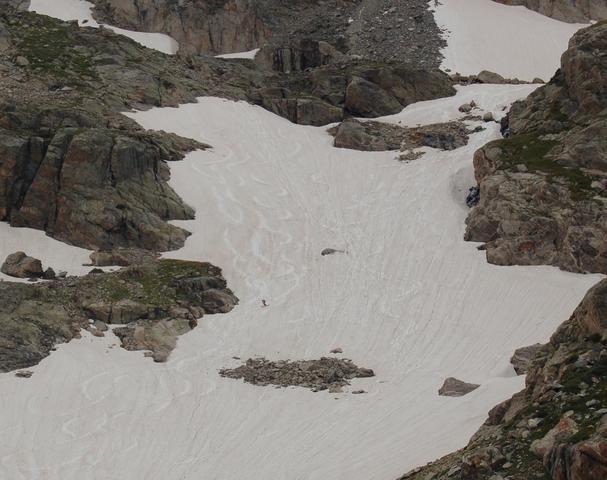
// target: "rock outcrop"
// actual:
[[543, 190], [63, 172], [378, 136], [317, 375], [157, 301], [566, 10], [359, 88], [557, 426]]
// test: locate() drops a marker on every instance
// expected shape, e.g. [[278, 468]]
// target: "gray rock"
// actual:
[[488, 117], [367, 99], [20, 265], [490, 77], [452, 387], [323, 374], [523, 358]]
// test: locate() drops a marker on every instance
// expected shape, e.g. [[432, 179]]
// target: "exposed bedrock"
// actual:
[[156, 302], [63, 172], [365, 89], [543, 190], [557, 426], [565, 10]]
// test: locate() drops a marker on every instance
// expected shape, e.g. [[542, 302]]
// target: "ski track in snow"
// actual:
[[80, 10], [410, 299], [511, 41]]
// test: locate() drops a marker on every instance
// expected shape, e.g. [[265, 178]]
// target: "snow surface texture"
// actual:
[[250, 55], [81, 10], [511, 41], [410, 299]]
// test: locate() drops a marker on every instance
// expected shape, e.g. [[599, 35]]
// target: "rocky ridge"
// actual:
[[543, 190], [556, 428]]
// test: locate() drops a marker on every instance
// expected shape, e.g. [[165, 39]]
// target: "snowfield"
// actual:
[[80, 10], [250, 55], [410, 299], [512, 41]]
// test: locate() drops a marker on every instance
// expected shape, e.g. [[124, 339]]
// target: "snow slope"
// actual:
[[410, 299], [81, 10], [250, 55], [512, 41]]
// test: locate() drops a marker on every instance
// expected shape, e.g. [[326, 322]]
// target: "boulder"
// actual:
[[488, 117], [490, 77], [367, 99], [20, 265], [452, 387]]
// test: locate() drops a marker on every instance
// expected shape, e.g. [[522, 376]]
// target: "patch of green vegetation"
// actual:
[[49, 48], [532, 151], [153, 284], [573, 377], [112, 289]]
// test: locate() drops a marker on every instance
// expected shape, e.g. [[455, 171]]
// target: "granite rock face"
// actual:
[[90, 186], [289, 32], [543, 190]]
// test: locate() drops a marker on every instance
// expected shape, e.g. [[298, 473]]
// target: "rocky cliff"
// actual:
[[374, 29], [566, 10], [544, 188], [556, 428]]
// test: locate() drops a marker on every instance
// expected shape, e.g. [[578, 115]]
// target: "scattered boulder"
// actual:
[[452, 387], [49, 274], [19, 265], [323, 374], [24, 374], [488, 117], [337, 350], [465, 108]]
